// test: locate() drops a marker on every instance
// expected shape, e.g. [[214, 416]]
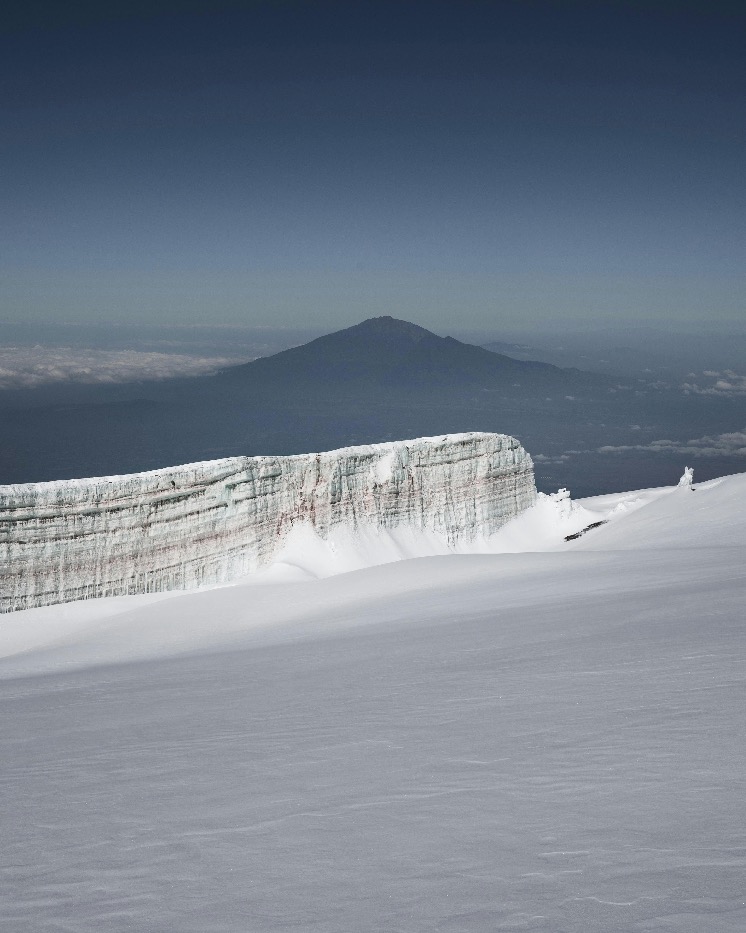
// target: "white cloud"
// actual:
[[28, 367], [543, 458], [730, 444], [726, 383]]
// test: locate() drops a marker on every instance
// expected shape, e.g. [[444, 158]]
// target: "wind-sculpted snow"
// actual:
[[213, 522]]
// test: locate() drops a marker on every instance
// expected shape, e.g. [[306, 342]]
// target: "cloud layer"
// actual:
[[28, 367], [726, 383], [731, 444]]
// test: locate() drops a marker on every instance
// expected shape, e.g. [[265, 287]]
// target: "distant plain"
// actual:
[[103, 399]]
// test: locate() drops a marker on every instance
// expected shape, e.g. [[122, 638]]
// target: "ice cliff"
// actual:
[[212, 522]]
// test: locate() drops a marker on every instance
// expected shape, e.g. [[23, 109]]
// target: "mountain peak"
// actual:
[[387, 326], [385, 356]]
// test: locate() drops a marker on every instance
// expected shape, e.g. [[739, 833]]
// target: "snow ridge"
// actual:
[[216, 521]]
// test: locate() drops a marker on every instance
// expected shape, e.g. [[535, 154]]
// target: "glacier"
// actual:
[[217, 521], [552, 739]]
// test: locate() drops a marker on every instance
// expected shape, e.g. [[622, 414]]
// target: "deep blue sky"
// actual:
[[487, 164]]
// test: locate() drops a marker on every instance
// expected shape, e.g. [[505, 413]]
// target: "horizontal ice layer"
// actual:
[[213, 522]]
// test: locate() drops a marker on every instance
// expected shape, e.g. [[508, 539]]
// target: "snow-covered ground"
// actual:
[[549, 737]]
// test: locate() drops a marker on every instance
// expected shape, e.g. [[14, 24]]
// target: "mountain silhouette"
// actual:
[[384, 355]]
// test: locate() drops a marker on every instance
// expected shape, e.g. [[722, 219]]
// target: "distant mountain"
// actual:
[[384, 355], [381, 380]]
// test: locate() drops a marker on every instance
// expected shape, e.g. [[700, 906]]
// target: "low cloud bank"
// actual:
[[28, 367], [731, 444], [726, 383]]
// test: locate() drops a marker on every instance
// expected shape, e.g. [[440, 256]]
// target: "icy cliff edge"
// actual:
[[213, 522]]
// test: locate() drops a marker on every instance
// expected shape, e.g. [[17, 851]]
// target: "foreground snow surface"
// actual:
[[548, 740]]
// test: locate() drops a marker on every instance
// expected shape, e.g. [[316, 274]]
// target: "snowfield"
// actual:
[[548, 736]]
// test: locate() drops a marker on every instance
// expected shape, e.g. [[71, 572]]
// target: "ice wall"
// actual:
[[213, 522]]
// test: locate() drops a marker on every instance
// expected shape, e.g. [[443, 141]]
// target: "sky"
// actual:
[[491, 165]]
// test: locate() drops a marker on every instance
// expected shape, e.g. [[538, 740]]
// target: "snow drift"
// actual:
[[213, 522]]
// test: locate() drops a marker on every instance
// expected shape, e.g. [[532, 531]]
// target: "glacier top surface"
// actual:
[[232, 462]]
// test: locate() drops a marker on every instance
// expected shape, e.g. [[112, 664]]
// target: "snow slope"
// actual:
[[549, 738]]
